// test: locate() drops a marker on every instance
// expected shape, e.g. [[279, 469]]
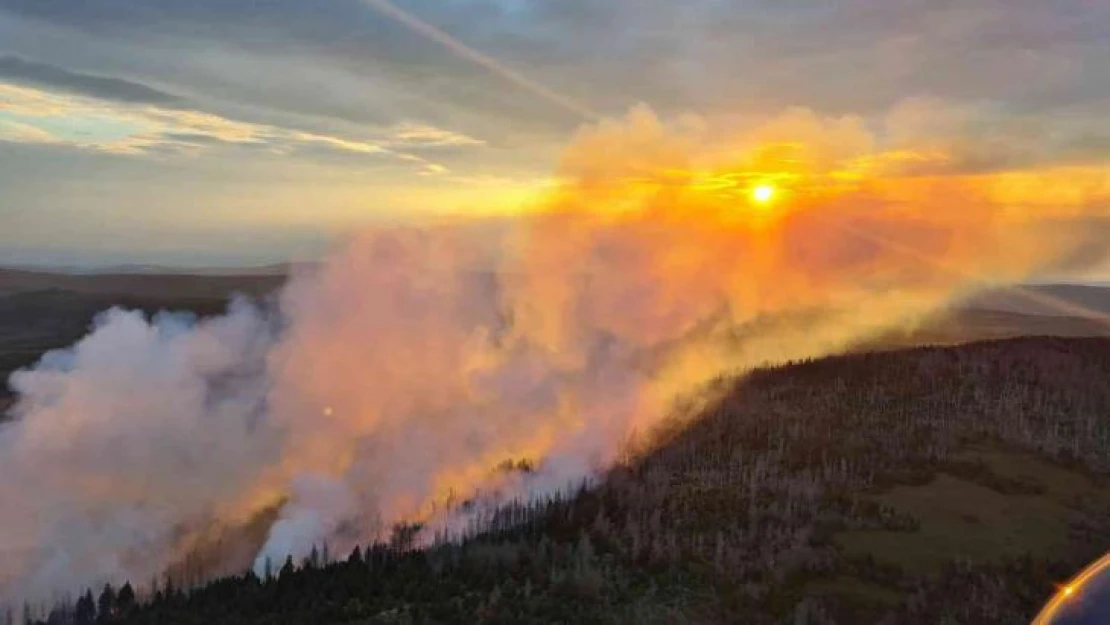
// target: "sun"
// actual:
[[763, 193]]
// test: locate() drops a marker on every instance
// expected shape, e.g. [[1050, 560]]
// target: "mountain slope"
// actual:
[[926, 485], [1054, 300]]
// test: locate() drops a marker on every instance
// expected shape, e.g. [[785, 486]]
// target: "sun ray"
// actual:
[[1058, 304], [464, 51]]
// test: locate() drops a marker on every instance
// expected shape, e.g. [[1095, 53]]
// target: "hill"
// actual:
[[167, 286], [963, 325], [44, 311], [1055, 300], [919, 486]]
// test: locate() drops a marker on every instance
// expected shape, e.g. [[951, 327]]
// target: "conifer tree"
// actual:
[[287, 569], [85, 612], [106, 604], [125, 601], [356, 556]]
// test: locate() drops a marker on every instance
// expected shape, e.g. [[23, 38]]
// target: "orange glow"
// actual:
[[635, 185], [647, 240], [652, 218]]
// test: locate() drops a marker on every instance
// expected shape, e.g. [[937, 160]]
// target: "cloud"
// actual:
[[19, 132], [32, 115], [348, 40], [718, 57], [20, 70], [714, 56], [430, 136]]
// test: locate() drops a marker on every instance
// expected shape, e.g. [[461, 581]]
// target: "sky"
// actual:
[[239, 132]]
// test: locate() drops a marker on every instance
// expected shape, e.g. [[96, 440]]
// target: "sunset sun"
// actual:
[[763, 194]]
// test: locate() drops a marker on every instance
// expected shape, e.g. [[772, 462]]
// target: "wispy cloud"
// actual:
[[36, 115], [424, 135], [22, 70], [425, 166], [24, 133]]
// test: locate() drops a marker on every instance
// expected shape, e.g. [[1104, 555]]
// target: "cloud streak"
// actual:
[[32, 115], [484, 60], [17, 69]]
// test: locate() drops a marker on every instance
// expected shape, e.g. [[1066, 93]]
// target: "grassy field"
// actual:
[[991, 504], [988, 505]]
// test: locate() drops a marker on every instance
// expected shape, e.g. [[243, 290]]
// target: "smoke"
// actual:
[[405, 371], [131, 437]]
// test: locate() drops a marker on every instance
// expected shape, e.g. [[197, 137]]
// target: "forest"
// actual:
[[918, 486]]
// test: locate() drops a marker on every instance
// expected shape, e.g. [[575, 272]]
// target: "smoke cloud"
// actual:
[[403, 372]]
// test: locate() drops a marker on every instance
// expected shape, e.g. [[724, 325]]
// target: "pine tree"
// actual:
[[106, 605], [356, 556], [85, 612], [287, 569], [125, 602]]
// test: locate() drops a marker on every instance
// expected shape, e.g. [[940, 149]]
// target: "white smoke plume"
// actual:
[[413, 362]]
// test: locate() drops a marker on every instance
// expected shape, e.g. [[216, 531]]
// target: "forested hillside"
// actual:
[[930, 485]]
